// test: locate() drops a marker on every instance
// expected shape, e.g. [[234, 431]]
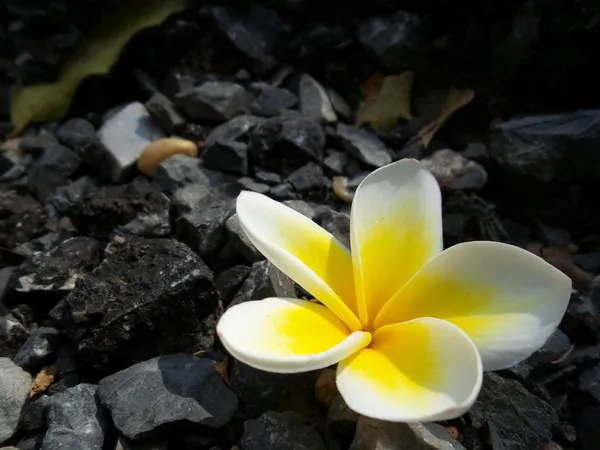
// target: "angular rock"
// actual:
[[202, 227], [227, 156], [148, 297], [15, 328], [341, 421], [280, 431], [164, 113], [80, 136], [53, 167], [556, 346], [396, 40], [264, 280], [214, 100], [455, 172], [240, 241], [589, 382], [53, 273], [311, 210], [234, 130], [66, 196], [179, 171], [44, 243], [183, 391], [254, 30], [14, 389], [314, 101], [124, 135], [33, 415], [283, 192], [271, 100], [338, 224], [40, 349], [372, 433], [249, 184], [12, 165], [363, 145], [521, 420], [31, 441], [310, 181], [336, 162], [586, 424], [271, 178], [76, 420], [229, 282], [546, 145], [295, 139], [100, 212]]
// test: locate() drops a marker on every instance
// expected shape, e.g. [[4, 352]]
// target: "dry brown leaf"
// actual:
[[455, 100], [386, 99], [96, 55], [221, 368], [43, 379]]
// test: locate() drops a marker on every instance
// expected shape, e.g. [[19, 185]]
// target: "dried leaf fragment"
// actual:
[[455, 100], [95, 56], [221, 368], [43, 379], [386, 99], [162, 149]]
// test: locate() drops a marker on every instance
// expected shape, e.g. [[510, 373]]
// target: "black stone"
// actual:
[[80, 136], [52, 168], [227, 156], [521, 420], [234, 130], [363, 145], [283, 192], [338, 224], [167, 393], [589, 382], [148, 297], [202, 227], [264, 280], [33, 415], [336, 162], [76, 420], [284, 138], [280, 431], [396, 40], [240, 241], [164, 113], [214, 100], [271, 100], [12, 165], [66, 196], [310, 181], [229, 282], [588, 431], [99, 213], [15, 328], [179, 171], [39, 350]]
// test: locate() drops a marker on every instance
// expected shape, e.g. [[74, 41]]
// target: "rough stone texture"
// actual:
[[214, 100], [76, 420], [22, 218], [520, 420], [164, 113], [455, 172], [14, 389], [314, 101], [271, 101], [99, 213], [372, 433], [240, 241], [124, 135], [280, 431], [264, 280], [80, 136], [363, 145], [148, 297], [15, 327], [179, 171], [184, 390], [39, 350]]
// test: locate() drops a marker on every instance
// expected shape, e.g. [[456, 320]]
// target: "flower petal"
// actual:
[[286, 335], [302, 250], [425, 369], [396, 227], [506, 299]]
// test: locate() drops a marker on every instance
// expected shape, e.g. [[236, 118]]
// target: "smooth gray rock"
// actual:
[[14, 390], [314, 101], [363, 145]]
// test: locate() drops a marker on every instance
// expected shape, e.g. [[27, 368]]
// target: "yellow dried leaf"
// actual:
[[221, 368], [386, 99], [43, 380], [96, 55], [455, 100]]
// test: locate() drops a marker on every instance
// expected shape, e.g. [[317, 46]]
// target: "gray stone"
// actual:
[[336, 162], [214, 100], [455, 172], [181, 170], [15, 328], [14, 390], [589, 382], [521, 420], [177, 389], [76, 420], [376, 434], [154, 224], [229, 281], [264, 280], [314, 101], [226, 156], [341, 420], [338, 224], [307, 209], [125, 135], [250, 184], [310, 181], [240, 240], [233, 130], [280, 431], [271, 100], [80, 136], [40, 349], [164, 113], [363, 145]]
